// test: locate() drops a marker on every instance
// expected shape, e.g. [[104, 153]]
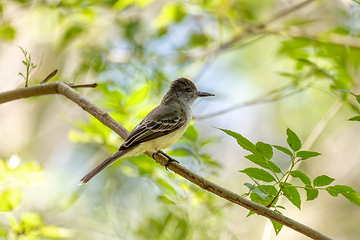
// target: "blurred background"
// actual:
[[271, 64]]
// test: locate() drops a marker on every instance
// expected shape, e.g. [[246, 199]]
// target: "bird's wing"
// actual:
[[155, 125]]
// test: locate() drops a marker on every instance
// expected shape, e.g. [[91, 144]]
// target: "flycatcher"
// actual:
[[161, 128]]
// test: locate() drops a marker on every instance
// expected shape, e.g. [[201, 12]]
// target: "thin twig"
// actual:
[[66, 90], [51, 75], [259, 26], [89, 85]]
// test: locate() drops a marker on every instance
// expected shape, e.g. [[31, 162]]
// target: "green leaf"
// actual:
[[10, 199], [259, 174], [311, 193], [170, 13], [265, 149], [307, 154], [277, 226], [292, 194], [322, 180], [302, 176], [138, 96], [256, 190], [262, 163], [346, 191], [250, 213], [356, 118], [293, 140], [283, 149], [7, 32], [243, 142], [274, 167]]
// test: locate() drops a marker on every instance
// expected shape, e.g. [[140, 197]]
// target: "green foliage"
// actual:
[[13, 177], [162, 40], [28, 64], [7, 32], [268, 195]]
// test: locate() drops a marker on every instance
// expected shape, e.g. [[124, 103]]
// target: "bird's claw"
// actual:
[[169, 161]]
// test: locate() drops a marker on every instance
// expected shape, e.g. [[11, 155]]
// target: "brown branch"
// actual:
[[66, 90]]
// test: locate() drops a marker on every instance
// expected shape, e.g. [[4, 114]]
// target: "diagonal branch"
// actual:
[[68, 91]]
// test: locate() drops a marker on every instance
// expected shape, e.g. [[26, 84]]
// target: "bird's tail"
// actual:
[[102, 166]]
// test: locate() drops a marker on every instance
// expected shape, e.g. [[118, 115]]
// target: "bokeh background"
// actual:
[[272, 64]]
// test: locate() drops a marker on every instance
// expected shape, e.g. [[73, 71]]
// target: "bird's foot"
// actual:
[[169, 159]]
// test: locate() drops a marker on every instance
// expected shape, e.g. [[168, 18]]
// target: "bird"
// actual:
[[161, 127]]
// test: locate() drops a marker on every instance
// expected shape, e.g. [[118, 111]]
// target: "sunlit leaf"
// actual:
[[10, 199], [259, 174], [265, 164], [292, 194], [283, 149], [346, 191], [170, 13], [302, 176], [53, 232], [7, 32], [277, 226], [265, 149], [30, 219], [322, 180], [293, 140], [138, 96], [311, 193], [307, 154], [243, 142], [356, 118]]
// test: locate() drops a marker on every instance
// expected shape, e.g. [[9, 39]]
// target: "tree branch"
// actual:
[[68, 91]]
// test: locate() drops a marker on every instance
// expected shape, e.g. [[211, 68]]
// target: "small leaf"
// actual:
[[138, 96], [307, 154], [311, 193], [283, 149], [242, 141], [322, 180], [346, 191], [277, 226], [356, 118], [10, 199], [250, 213], [302, 176], [259, 174], [256, 190], [274, 167], [293, 140], [262, 163], [292, 194], [25, 63], [265, 149]]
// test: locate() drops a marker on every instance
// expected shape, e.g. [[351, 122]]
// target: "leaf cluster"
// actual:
[[271, 182], [29, 65]]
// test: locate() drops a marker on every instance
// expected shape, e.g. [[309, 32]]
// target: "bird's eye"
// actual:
[[188, 89]]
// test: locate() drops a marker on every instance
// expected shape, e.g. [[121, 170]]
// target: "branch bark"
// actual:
[[67, 90]]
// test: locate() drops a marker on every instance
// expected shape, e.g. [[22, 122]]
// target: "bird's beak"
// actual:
[[204, 94]]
